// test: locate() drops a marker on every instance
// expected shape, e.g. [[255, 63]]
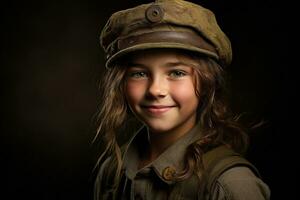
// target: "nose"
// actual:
[[158, 87]]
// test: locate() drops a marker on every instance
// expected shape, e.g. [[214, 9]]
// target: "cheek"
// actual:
[[134, 91], [184, 93]]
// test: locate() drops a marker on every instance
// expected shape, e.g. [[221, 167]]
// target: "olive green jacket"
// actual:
[[234, 178]]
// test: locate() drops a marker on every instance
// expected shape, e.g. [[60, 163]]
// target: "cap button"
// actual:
[[154, 13], [169, 173]]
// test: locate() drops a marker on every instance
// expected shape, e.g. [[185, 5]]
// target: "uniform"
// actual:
[[156, 180]]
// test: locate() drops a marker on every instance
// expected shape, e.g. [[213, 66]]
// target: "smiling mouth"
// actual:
[[157, 109]]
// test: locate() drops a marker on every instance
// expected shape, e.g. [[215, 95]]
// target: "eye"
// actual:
[[137, 74], [177, 73]]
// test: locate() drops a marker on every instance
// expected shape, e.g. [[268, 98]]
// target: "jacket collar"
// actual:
[[172, 157]]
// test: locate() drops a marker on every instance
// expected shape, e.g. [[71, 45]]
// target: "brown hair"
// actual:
[[112, 115], [218, 125]]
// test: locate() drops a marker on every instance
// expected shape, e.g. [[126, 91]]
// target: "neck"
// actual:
[[160, 141]]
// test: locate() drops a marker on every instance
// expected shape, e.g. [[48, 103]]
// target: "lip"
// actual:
[[157, 109]]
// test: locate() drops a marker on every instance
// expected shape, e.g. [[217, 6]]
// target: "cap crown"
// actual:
[[166, 15]]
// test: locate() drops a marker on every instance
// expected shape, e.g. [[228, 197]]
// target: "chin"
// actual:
[[159, 128]]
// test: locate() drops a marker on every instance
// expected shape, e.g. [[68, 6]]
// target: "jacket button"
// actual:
[[169, 173], [154, 14]]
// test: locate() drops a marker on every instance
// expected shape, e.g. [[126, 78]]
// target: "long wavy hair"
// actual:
[[218, 124]]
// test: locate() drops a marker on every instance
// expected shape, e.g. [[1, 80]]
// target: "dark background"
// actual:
[[51, 61]]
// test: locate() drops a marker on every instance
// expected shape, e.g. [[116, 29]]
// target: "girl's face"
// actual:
[[160, 90]]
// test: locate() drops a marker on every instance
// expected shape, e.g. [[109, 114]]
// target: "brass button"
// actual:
[[169, 173], [154, 13]]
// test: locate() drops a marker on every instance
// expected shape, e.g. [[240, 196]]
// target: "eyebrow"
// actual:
[[168, 64], [131, 64], [176, 64]]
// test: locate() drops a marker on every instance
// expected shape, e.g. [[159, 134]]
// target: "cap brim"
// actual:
[[160, 45]]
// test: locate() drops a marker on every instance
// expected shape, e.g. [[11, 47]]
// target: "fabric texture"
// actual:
[[175, 24], [233, 183]]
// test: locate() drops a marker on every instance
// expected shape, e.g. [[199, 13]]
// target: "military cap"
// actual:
[[176, 24]]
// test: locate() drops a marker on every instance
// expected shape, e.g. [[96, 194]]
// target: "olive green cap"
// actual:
[[175, 24]]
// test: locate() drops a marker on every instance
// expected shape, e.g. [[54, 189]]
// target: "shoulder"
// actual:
[[102, 172], [104, 182], [107, 170], [240, 183], [109, 164], [104, 167]]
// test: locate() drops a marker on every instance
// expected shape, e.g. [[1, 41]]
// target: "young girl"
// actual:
[[165, 64]]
